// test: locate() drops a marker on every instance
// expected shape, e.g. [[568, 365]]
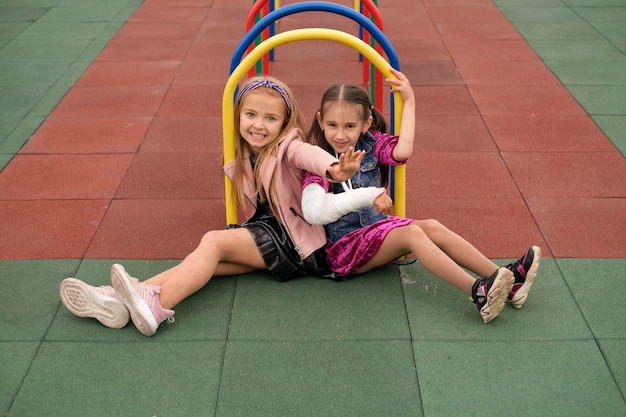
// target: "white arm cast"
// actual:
[[320, 207]]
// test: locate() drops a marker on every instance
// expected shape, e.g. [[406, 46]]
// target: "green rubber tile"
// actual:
[[613, 350], [597, 72], [121, 379], [319, 378], [542, 378], [16, 139], [29, 3], [43, 50], [204, 315], [601, 100], [5, 158], [602, 14], [596, 285], [9, 30], [620, 44], [565, 50], [529, 3], [15, 359], [365, 308], [7, 124], [16, 73], [614, 127], [539, 14], [557, 30], [439, 311], [50, 100], [30, 295], [18, 101], [62, 31], [593, 3], [612, 30], [21, 14], [90, 14]]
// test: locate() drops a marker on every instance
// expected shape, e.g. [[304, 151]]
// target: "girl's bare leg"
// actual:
[[220, 252], [412, 238], [460, 250]]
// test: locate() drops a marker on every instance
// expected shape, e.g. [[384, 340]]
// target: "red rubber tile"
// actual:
[[420, 50], [155, 229], [144, 50], [547, 133], [489, 49], [498, 227], [466, 13], [432, 73], [33, 177], [173, 175], [460, 175], [110, 102], [582, 227], [202, 73], [443, 101], [48, 229], [183, 100], [452, 134], [131, 73], [507, 73], [101, 135], [183, 134], [568, 174], [524, 100], [169, 14], [501, 29], [158, 30], [297, 73]]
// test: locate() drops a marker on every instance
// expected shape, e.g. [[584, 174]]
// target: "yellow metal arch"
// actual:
[[249, 60]]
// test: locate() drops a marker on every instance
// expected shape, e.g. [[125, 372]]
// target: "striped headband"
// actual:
[[265, 83]]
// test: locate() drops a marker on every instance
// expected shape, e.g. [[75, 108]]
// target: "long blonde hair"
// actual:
[[294, 118]]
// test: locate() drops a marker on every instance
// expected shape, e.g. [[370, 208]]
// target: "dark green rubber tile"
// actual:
[[18, 101], [204, 315], [329, 378], [43, 50], [5, 159], [21, 14], [596, 14], [612, 30], [9, 30], [15, 360], [541, 378], [7, 124], [15, 73], [62, 31], [613, 350], [539, 14], [88, 14], [439, 311], [579, 50], [121, 379], [557, 30], [364, 308], [30, 295], [596, 72], [615, 128], [597, 286], [16, 139], [601, 99]]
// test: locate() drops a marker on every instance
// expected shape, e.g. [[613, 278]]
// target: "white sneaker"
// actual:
[[141, 300], [100, 303]]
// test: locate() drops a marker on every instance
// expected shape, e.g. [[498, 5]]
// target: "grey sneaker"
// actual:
[[100, 303], [489, 294], [141, 300], [525, 272]]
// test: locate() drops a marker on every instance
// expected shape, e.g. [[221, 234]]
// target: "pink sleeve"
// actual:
[[310, 178], [383, 149]]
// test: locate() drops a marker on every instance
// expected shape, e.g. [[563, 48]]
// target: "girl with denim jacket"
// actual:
[[361, 236], [270, 156]]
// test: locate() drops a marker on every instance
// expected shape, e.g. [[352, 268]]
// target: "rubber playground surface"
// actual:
[[111, 151]]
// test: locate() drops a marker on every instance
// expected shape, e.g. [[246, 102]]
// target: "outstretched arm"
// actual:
[[349, 163], [320, 207]]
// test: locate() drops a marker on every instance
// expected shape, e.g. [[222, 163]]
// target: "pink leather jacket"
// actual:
[[293, 156]]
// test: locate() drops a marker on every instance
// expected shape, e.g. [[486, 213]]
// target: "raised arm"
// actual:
[[406, 136]]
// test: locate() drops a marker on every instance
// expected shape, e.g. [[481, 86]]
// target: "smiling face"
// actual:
[[261, 118], [342, 124]]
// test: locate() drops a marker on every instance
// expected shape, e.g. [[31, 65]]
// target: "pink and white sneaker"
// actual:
[[141, 300], [100, 303], [525, 272]]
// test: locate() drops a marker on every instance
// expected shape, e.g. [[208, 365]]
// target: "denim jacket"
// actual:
[[367, 176]]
